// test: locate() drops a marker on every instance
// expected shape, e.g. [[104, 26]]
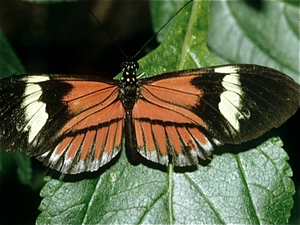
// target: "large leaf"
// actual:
[[161, 12], [266, 36], [249, 187]]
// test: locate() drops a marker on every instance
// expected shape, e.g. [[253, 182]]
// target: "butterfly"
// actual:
[[75, 124]]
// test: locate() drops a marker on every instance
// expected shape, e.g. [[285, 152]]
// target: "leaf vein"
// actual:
[[210, 203], [244, 180]]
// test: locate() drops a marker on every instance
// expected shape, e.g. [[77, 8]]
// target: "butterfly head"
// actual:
[[129, 69], [128, 90]]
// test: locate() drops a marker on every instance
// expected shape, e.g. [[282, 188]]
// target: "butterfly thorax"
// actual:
[[128, 86]]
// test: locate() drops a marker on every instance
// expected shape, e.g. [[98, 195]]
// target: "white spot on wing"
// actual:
[[80, 166], [207, 147], [32, 93], [227, 69], [35, 79], [153, 156], [37, 121], [55, 156], [67, 165], [182, 160], [34, 109], [44, 155], [230, 104], [94, 165], [216, 141]]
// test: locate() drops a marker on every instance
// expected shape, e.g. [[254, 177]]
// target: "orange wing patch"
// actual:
[[96, 109], [89, 92], [166, 125], [93, 134], [87, 144], [177, 90]]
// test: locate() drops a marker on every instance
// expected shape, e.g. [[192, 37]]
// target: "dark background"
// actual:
[[65, 38]]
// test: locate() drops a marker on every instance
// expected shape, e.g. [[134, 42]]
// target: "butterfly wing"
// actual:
[[185, 114], [71, 123]]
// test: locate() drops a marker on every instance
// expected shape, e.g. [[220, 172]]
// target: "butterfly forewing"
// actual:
[[71, 123], [244, 101]]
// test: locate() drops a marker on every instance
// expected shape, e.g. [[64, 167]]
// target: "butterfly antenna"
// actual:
[[104, 29], [154, 35]]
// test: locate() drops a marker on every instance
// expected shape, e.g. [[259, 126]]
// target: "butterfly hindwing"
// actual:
[[70, 123], [184, 114]]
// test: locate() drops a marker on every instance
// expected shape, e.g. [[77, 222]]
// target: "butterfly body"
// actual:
[[76, 123]]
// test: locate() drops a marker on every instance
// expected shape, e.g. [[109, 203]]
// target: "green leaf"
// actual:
[[9, 64], [268, 36], [6, 164], [24, 169], [185, 46], [250, 187], [23, 163], [162, 11]]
